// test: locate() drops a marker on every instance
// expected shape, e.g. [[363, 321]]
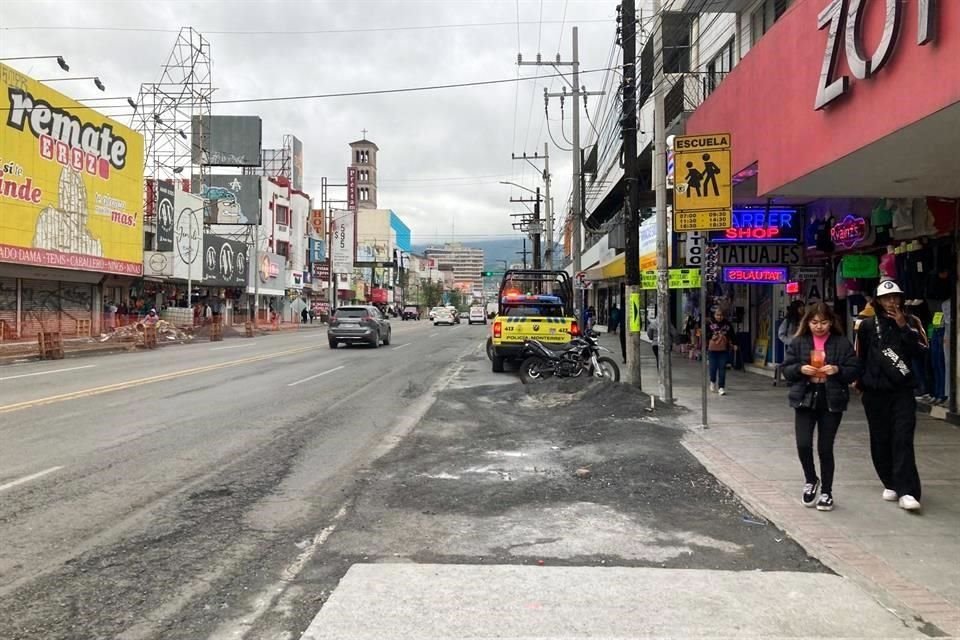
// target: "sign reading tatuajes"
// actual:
[[702, 193], [760, 254], [225, 262], [165, 216]]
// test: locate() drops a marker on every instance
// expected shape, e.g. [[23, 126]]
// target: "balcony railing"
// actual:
[[689, 91]]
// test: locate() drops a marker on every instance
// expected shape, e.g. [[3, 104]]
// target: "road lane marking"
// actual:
[[401, 346], [25, 479], [313, 377], [45, 373], [435, 333], [236, 346], [84, 393]]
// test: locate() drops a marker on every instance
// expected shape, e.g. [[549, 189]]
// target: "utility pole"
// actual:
[[524, 252], [548, 212], [547, 252], [631, 174], [577, 91], [660, 184], [528, 222]]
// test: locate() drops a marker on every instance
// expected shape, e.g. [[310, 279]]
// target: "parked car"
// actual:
[[358, 324], [477, 314], [444, 316], [410, 313]]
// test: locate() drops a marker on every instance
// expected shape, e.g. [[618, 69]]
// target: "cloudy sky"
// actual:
[[442, 152]]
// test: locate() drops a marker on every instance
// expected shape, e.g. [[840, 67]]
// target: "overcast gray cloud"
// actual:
[[442, 152]]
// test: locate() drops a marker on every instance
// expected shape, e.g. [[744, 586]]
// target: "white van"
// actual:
[[478, 315]]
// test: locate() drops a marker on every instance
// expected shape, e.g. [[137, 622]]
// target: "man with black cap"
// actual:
[[887, 345]]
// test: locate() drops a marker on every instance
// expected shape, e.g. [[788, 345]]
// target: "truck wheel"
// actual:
[[490, 348], [497, 363]]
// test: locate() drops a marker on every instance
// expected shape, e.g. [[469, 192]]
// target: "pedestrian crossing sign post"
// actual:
[[703, 189]]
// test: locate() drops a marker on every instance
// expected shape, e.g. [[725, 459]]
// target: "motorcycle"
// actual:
[[581, 355]]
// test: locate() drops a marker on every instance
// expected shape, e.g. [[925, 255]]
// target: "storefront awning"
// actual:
[[609, 270]]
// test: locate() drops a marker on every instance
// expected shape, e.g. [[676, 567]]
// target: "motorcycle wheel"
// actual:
[[532, 370], [609, 368]]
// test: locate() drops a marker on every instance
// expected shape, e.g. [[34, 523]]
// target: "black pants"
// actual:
[[656, 354], [826, 424], [892, 417]]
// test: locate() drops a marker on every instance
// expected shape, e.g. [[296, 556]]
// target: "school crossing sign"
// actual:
[[703, 190]]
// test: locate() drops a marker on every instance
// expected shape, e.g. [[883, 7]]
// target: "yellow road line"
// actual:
[[84, 393]]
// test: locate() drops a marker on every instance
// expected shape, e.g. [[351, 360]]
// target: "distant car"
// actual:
[[478, 315], [433, 312], [410, 313], [455, 312], [358, 324], [444, 316]]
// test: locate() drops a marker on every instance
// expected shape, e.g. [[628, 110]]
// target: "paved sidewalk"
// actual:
[[909, 562]]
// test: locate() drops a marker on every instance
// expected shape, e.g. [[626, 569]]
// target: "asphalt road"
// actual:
[[156, 494]]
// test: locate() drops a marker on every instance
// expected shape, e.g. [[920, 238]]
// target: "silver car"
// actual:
[[358, 324]]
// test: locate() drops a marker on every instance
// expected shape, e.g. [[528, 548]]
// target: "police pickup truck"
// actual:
[[532, 304]]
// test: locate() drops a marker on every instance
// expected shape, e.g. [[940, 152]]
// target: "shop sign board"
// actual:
[[761, 225], [71, 182], [352, 188], [703, 189], [344, 241], [317, 216], [806, 273], [694, 247], [226, 141], [676, 279], [755, 275], [850, 231], [165, 215], [845, 19], [225, 262], [271, 271], [229, 199], [760, 254], [321, 271], [855, 266]]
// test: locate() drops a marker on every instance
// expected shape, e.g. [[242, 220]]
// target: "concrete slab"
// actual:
[[432, 601]]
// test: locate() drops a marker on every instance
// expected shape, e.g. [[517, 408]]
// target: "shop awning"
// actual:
[[613, 268]]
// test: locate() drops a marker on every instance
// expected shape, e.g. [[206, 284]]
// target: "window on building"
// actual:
[[283, 248], [676, 43], [720, 66], [283, 215], [764, 16]]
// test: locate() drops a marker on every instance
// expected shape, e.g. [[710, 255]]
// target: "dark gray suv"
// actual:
[[358, 324]]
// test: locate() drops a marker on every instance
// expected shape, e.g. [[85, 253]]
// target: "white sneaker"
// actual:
[[890, 495], [722, 391], [713, 386], [909, 503]]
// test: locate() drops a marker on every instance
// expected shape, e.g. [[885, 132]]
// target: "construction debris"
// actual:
[[134, 333]]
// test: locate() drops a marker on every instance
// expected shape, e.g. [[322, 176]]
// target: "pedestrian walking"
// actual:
[[719, 341], [791, 324], [820, 364], [886, 344], [653, 333], [614, 318]]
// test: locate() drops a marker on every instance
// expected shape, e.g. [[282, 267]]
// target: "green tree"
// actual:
[[431, 293]]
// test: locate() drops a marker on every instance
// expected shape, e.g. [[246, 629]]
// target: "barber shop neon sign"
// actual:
[[762, 225], [849, 232]]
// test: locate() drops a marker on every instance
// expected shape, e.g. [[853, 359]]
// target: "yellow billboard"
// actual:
[[71, 182]]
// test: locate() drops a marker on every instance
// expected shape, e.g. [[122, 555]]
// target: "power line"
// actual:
[[345, 94], [463, 25]]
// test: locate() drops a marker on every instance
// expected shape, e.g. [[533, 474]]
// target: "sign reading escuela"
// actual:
[[703, 190]]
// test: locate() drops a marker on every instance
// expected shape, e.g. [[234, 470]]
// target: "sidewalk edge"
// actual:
[[915, 605]]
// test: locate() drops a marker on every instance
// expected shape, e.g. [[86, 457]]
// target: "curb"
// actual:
[[911, 602]]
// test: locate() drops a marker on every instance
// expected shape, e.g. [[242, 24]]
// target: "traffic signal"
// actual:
[[488, 274]]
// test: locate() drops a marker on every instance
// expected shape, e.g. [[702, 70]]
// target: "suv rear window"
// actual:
[[543, 310], [347, 312]]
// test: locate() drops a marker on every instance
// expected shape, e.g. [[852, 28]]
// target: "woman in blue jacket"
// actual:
[[820, 365]]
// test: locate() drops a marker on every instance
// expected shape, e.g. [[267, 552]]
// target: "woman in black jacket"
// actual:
[[887, 345], [820, 364]]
